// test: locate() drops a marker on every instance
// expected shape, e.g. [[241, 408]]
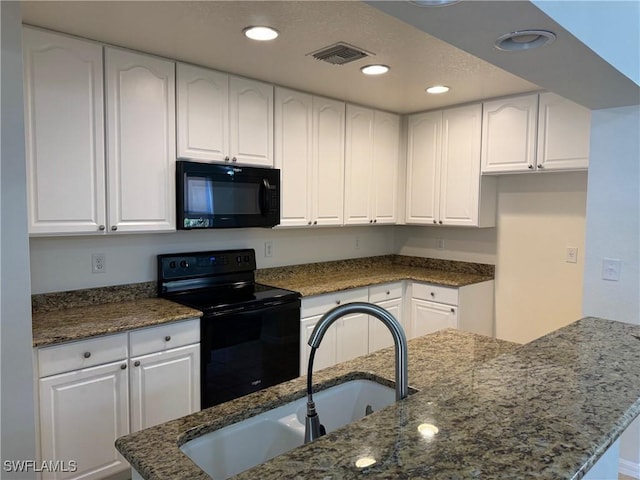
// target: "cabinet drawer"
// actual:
[[435, 293], [82, 354], [162, 337], [387, 291], [321, 304]]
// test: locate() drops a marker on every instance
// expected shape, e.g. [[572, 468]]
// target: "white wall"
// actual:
[[539, 216], [586, 19], [17, 399], [64, 263], [613, 231]]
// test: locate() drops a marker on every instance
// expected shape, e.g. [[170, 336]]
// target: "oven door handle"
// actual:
[[265, 196]]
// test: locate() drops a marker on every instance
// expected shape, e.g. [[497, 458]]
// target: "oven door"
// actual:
[[248, 350]]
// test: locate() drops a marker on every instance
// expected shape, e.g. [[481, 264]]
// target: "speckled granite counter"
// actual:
[[56, 326], [545, 410], [325, 277]]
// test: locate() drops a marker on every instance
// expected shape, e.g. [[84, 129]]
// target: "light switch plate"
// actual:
[[611, 269]]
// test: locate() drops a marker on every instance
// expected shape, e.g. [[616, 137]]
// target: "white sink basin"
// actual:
[[233, 449]]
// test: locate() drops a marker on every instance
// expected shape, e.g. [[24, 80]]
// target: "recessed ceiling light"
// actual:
[[260, 32], [524, 40], [438, 89], [433, 3], [375, 69]]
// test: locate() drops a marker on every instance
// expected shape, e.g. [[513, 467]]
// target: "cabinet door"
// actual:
[[352, 337], [379, 335], [429, 317], [325, 355], [564, 130], [358, 162], [293, 144], [251, 121], [141, 141], [509, 134], [82, 413], [423, 168], [164, 386], [328, 161], [386, 137], [202, 99], [64, 133], [460, 171]]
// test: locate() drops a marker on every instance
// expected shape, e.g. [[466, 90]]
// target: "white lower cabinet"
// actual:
[[434, 307], [391, 298], [164, 385], [344, 340], [81, 414], [93, 391], [421, 308]]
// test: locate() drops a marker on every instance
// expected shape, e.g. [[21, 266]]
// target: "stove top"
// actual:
[[216, 282]]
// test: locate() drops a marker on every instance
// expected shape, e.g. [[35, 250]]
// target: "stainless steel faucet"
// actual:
[[313, 428]]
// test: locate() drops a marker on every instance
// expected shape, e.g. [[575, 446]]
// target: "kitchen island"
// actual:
[[548, 409]]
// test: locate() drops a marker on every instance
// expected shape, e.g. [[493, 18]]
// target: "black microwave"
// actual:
[[224, 196]]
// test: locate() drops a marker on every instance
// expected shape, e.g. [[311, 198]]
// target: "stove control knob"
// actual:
[[172, 264], [184, 264]]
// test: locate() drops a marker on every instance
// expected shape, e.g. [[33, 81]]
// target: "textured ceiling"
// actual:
[[209, 33]]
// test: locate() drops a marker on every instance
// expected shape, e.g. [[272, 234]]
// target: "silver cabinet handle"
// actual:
[[453, 310], [540, 166], [102, 228], [123, 366], [375, 220], [370, 221], [440, 222], [114, 227], [167, 338], [234, 159], [433, 294], [87, 354], [530, 167], [388, 292], [435, 221], [338, 302], [226, 159], [315, 222], [309, 222], [136, 363]]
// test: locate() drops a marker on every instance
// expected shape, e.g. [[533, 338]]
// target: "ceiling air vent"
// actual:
[[339, 54]]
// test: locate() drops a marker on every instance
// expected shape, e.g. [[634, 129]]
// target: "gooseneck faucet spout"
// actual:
[[313, 428]]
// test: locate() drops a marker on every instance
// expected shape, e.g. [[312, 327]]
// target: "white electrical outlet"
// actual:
[[98, 263], [440, 243], [611, 269], [572, 255], [268, 249], [357, 244]]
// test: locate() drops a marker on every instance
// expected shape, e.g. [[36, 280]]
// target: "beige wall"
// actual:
[[539, 216]]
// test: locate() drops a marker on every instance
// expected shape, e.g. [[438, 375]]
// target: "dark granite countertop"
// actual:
[[545, 410], [326, 277], [76, 323]]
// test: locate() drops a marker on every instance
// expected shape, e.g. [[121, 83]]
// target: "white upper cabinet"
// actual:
[[202, 113], [251, 117], [358, 166], [564, 130], [222, 118], [293, 156], [386, 143], [509, 134], [444, 185], [371, 164], [328, 161], [309, 151], [423, 167], [141, 147], [535, 132], [64, 133]]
